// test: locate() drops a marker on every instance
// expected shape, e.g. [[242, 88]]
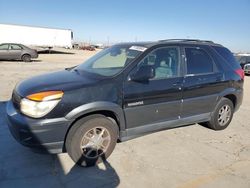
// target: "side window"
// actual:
[[4, 47], [15, 47], [165, 61], [228, 56], [198, 61]]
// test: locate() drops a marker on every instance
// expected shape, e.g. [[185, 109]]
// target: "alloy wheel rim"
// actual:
[[224, 115], [95, 142]]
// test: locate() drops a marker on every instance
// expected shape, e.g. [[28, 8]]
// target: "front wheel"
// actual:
[[222, 115], [91, 140]]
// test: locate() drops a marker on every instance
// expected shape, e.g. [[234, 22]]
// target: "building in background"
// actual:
[[36, 36]]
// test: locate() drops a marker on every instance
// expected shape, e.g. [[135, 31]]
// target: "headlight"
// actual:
[[39, 104]]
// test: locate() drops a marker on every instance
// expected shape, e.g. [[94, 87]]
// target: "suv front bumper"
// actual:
[[42, 134]]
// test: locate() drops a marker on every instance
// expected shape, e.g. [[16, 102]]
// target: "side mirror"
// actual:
[[144, 73]]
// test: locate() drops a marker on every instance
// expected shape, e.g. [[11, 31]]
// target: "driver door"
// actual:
[[158, 99]]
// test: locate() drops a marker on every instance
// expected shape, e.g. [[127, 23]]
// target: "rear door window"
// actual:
[[198, 61], [15, 47]]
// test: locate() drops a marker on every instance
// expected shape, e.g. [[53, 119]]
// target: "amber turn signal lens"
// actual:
[[45, 96]]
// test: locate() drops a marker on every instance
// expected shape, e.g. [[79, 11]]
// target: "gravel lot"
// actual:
[[187, 157]]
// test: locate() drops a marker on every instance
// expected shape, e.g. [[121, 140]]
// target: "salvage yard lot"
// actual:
[[187, 157]]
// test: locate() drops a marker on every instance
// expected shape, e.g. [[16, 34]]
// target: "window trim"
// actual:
[[215, 68], [180, 72]]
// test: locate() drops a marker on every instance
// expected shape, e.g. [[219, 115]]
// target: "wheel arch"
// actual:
[[232, 98], [23, 54], [107, 109], [231, 94]]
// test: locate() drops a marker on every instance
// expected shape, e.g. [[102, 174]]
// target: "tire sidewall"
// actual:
[[215, 122], [80, 128]]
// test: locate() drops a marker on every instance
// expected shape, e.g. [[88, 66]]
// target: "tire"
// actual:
[[219, 121], [26, 58], [88, 131]]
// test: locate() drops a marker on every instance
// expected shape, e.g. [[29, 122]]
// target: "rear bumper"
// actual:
[[42, 134], [239, 96], [34, 55]]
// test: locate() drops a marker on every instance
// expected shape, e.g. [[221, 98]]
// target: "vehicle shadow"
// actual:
[[19, 166], [53, 52], [20, 61], [103, 175]]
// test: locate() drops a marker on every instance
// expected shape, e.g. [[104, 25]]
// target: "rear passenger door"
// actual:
[[202, 82]]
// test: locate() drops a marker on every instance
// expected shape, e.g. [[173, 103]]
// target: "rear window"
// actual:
[[227, 56]]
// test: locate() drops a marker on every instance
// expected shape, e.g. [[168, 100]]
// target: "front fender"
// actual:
[[98, 106]]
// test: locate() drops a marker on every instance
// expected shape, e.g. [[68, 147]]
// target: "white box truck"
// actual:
[[36, 36]]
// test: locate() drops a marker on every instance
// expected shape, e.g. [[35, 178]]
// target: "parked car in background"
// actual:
[[89, 48], [12, 51], [244, 61]]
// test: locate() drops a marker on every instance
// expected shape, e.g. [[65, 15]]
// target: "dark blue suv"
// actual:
[[123, 92]]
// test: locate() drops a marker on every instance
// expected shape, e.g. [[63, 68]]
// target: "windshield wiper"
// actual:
[[69, 68]]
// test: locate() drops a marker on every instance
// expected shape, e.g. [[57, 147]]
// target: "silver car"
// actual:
[[11, 51], [247, 68], [244, 61]]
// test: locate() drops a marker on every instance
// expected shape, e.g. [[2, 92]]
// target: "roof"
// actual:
[[174, 41]]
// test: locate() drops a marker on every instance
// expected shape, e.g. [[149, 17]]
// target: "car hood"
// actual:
[[62, 80]]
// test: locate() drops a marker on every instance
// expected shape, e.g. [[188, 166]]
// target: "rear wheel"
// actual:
[[26, 58], [222, 115], [91, 140]]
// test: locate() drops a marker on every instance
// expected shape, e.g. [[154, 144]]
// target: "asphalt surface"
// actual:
[[186, 157]]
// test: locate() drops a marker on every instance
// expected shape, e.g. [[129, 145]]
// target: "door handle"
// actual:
[[178, 84]]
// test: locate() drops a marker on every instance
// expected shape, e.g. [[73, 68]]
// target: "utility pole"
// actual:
[[107, 40], [89, 41]]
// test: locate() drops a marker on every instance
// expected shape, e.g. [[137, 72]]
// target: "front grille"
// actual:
[[16, 99]]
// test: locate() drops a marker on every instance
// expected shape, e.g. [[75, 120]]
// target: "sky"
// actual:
[[223, 21]]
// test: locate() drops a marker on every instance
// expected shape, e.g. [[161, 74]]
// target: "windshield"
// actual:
[[112, 60]]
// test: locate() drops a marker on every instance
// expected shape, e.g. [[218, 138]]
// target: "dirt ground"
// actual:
[[186, 157]]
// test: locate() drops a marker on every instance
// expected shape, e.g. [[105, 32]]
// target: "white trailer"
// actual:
[[36, 36]]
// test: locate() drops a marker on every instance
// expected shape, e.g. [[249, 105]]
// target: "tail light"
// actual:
[[241, 73]]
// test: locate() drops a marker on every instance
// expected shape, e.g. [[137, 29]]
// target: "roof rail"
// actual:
[[186, 40]]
